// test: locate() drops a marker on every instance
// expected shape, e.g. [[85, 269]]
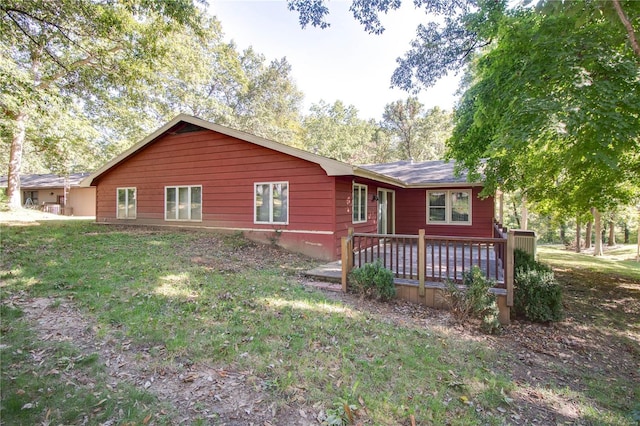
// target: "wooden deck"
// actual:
[[422, 264]]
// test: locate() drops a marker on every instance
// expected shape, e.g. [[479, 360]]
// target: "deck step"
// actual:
[[330, 272]]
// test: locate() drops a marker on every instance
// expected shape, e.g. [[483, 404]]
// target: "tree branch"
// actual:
[[475, 46], [74, 65], [34, 41], [627, 24]]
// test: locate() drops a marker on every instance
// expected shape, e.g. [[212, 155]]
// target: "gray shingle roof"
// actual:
[[46, 180], [419, 173]]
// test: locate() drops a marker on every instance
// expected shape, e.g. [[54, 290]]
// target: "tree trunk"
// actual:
[[578, 228], [563, 233], [15, 161], [525, 213], [631, 34], [627, 233], [597, 249], [612, 235], [588, 234], [515, 212]]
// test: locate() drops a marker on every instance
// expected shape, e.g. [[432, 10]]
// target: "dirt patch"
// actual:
[[213, 393]]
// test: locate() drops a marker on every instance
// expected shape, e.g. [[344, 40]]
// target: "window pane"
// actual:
[[196, 203], [437, 206], [262, 202], [437, 199], [460, 206], [436, 214], [131, 199], [122, 203], [183, 203], [280, 201], [171, 203], [357, 203], [363, 203]]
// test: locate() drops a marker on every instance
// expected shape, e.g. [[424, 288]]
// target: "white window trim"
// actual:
[[448, 207], [126, 189], [353, 202], [255, 205], [188, 202]]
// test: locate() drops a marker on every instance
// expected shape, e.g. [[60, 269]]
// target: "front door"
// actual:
[[386, 211]]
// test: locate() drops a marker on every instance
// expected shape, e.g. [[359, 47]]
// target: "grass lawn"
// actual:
[[617, 261], [128, 325]]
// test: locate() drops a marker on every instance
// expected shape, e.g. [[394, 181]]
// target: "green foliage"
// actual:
[[562, 124], [336, 131], [525, 261], [537, 294], [417, 134], [373, 281], [341, 415], [473, 299]]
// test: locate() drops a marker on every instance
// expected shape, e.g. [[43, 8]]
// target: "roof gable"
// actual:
[[185, 123]]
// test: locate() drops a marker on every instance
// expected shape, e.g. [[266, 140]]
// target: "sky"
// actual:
[[342, 62]]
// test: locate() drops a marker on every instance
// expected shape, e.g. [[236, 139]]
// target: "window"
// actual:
[[450, 207], [359, 203], [271, 202], [126, 203], [183, 203]]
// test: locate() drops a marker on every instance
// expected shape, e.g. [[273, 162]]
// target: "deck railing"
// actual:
[[434, 259]]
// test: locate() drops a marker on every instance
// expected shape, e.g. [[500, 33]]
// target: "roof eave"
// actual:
[[444, 185], [368, 174]]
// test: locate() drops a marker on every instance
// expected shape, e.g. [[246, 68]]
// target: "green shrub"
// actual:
[[373, 281], [525, 260], [537, 295], [473, 299]]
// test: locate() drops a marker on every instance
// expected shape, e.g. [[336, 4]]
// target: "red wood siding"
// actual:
[[227, 169], [411, 215], [344, 212]]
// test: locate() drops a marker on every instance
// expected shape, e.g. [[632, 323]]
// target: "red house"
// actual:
[[193, 173]]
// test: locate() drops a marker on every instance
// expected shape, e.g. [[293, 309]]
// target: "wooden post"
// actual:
[[508, 267], [344, 248], [421, 258], [346, 255]]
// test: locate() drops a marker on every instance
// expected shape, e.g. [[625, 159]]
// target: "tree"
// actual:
[[552, 109], [336, 131], [437, 127], [417, 135], [403, 120], [458, 29], [268, 105], [56, 50], [204, 76]]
